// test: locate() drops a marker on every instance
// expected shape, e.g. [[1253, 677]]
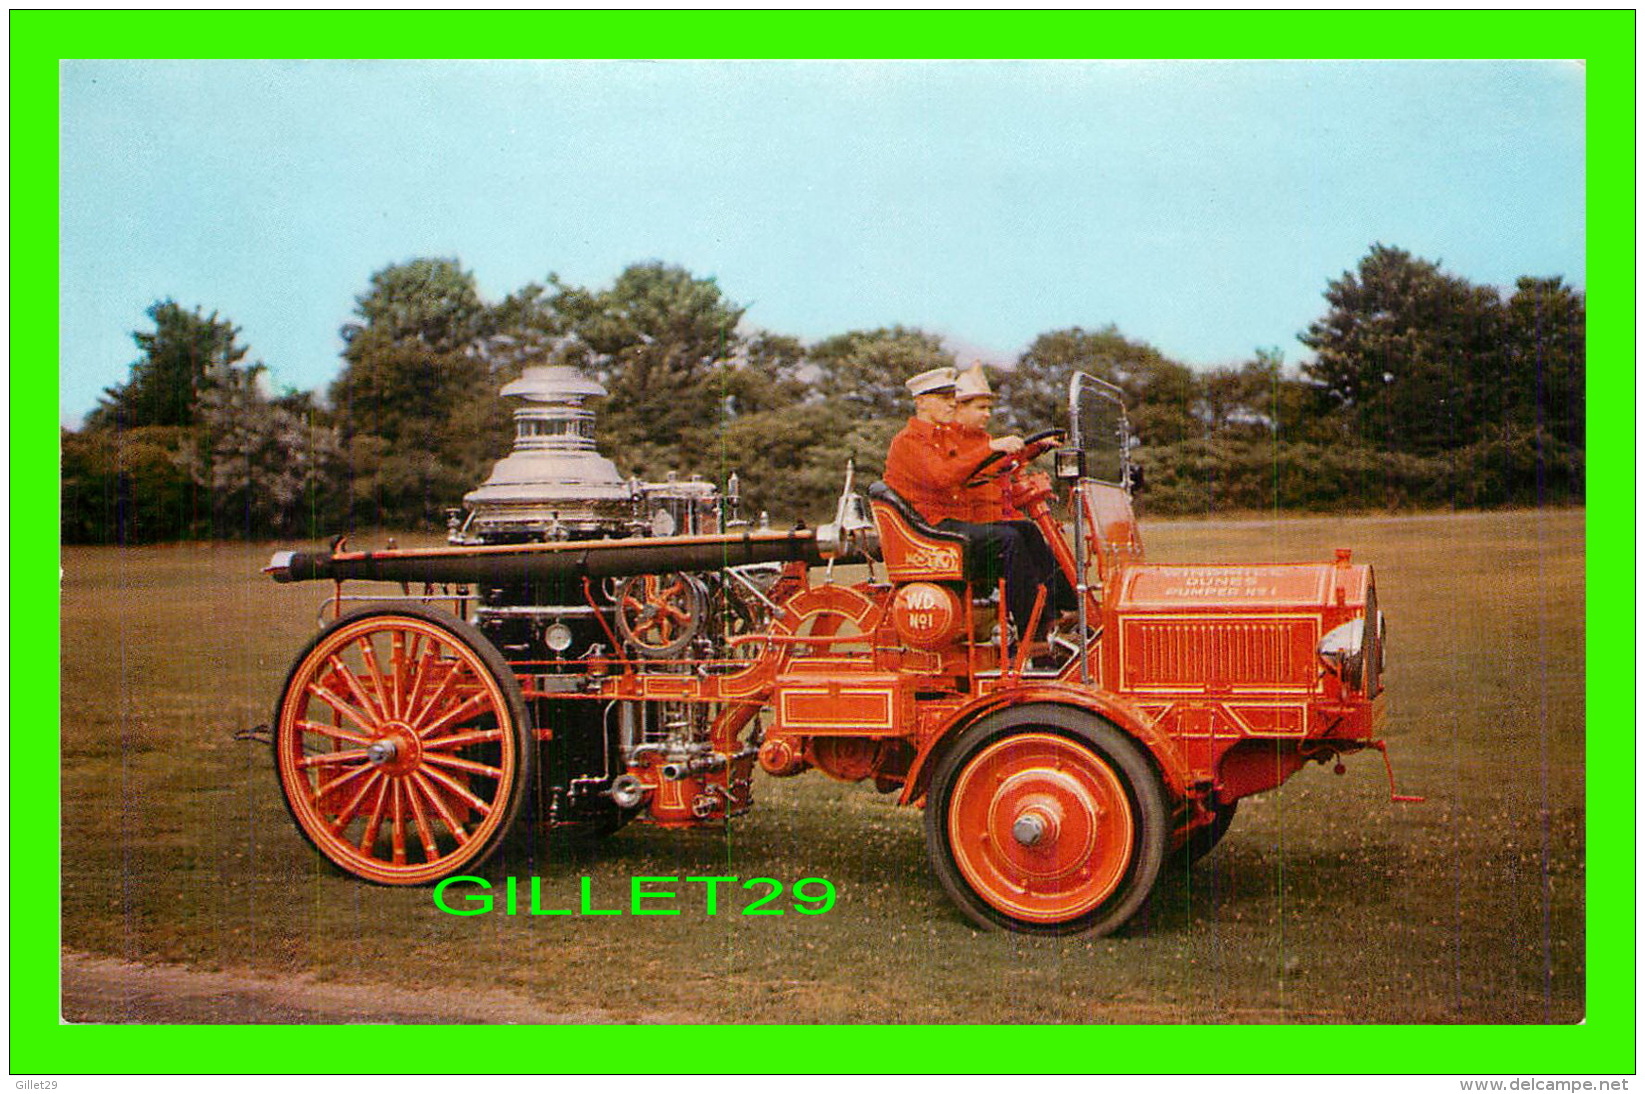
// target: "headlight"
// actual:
[[1343, 652], [1354, 651]]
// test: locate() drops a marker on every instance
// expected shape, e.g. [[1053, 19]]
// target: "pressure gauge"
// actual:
[[557, 637]]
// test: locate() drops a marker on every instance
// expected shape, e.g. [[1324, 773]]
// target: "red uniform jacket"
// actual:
[[928, 465], [986, 503]]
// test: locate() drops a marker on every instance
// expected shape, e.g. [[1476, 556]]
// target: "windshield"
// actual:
[[1099, 428]]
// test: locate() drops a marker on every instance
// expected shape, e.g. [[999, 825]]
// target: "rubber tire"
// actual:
[[1202, 840], [525, 740], [1120, 752]]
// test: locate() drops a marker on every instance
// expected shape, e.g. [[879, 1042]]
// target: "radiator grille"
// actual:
[[1211, 654]]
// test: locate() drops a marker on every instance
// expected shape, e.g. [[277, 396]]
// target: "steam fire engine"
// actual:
[[589, 651]]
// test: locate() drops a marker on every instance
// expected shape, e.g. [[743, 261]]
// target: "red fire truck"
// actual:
[[633, 652]]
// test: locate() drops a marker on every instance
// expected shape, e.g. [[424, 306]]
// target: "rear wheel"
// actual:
[[1205, 837], [403, 745], [1046, 820]]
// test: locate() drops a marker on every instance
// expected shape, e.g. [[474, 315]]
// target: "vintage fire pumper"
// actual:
[[589, 651]]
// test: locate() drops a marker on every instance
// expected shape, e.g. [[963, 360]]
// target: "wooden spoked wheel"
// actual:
[[403, 745], [1047, 820]]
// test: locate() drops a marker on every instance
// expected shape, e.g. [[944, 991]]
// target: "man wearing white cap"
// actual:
[[928, 465]]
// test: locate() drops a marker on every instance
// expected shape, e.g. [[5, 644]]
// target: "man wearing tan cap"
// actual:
[[973, 406]]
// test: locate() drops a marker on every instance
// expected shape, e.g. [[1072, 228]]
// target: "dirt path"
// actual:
[[110, 991]]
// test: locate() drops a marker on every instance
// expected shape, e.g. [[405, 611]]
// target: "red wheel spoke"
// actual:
[[334, 732], [326, 695], [419, 658], [353, 807], [474, 704], [396, 671], [431, 850], [460, 764], [355, 686], [452, 823], [437, 696], [463, 739], [368, 840], [368, 653], [412, 672], [675, 614], [478, 805], [345, 777], [398, 827], [347, 756]]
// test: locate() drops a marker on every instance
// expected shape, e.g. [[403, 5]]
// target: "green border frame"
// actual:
[[1604, 40]]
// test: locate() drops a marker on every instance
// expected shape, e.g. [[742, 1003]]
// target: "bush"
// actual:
[[131, 486], [1204, 477]]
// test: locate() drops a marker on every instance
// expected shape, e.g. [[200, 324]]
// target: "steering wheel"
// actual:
[[1032, 448]]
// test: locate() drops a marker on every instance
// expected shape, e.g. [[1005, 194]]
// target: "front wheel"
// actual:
[[1047, 820]]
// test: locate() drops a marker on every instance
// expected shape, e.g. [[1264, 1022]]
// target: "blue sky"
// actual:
[[1200, 207]]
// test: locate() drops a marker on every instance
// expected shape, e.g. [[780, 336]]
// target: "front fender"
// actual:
[[1127, 718]]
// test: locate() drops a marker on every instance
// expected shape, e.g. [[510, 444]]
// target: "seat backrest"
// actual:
[[912, 549]]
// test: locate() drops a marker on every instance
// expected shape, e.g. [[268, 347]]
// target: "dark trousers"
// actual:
[[1015, 550]]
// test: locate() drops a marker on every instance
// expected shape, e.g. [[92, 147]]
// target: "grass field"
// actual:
[[1325, 903]]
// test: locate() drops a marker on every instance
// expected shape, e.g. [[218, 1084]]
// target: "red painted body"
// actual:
[[1212, 668]]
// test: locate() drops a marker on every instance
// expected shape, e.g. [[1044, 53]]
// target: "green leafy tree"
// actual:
[[180, 356], [417, 397], [414, 353], [791, 461], [433, 302], [1259, 401], [1159, 393], [124, 486], [795, 448], [658, 340], [767, 375], [1237, 401], [1412, 356], [866, 370], [1546, 364]]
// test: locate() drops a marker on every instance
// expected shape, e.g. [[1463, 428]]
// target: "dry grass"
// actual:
[[1326, 903]]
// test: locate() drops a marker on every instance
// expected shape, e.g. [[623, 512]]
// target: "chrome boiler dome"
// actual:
[[554, 483]]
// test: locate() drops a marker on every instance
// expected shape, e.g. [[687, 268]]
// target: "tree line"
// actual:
[[1424, 391]]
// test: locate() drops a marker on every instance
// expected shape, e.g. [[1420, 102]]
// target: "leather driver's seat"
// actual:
[[912, 549]]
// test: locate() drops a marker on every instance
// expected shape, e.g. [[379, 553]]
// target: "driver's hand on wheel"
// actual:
[[1007, 445]]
